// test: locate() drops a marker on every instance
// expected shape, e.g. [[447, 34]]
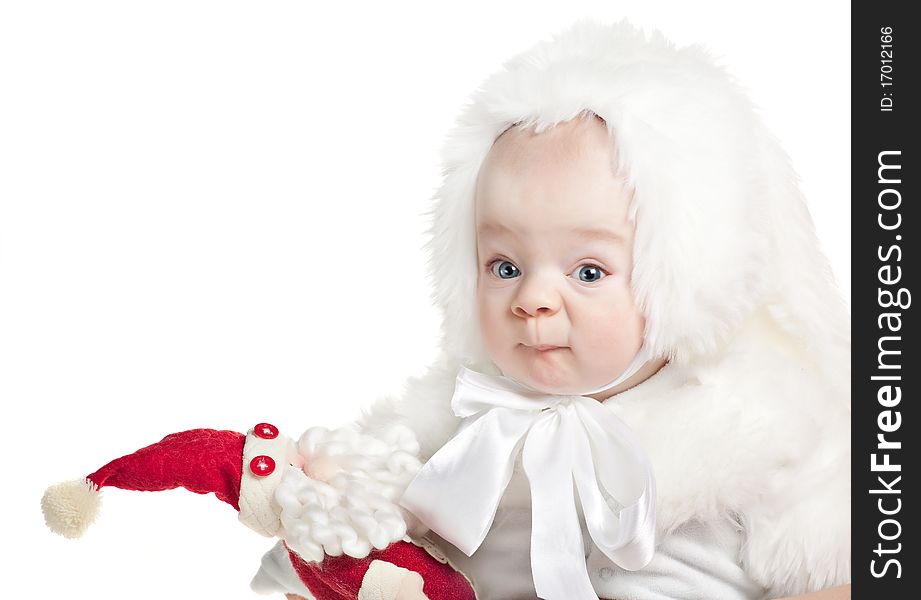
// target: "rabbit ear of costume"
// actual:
[[721, 227]]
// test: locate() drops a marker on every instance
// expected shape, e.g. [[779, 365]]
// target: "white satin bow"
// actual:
[[566, 439]]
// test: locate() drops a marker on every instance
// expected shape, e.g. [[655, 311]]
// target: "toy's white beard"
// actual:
[[642, 356]]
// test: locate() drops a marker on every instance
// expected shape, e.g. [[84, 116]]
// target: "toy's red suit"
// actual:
[[345, 536]]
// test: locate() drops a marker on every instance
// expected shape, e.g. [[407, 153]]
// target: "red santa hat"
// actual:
[[200, 460]]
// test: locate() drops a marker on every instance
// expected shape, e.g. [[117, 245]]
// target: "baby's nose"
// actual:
[[535, 298], [520, 311]]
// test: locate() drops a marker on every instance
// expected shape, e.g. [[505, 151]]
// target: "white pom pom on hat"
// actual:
[[71, 507]]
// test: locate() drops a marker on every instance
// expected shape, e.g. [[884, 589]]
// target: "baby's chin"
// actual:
[[546, 374], [558, 390]]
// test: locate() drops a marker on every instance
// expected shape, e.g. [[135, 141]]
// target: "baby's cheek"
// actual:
[[602, 339], [490, 324], [617, 333]]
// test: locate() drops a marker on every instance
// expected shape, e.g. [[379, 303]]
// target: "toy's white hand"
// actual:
[[386, 581]]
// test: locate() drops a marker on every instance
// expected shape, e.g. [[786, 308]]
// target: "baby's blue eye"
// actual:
[[503, 269], [589, 273]]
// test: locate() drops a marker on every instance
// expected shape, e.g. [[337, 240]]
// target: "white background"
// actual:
[[211, 215]]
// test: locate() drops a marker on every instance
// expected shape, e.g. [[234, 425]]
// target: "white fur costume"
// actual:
[[747, 426]]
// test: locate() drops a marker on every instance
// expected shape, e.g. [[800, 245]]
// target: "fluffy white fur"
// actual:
[[349, 504], [750, 419]]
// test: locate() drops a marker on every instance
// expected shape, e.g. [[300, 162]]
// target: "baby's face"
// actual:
[[554, 251]]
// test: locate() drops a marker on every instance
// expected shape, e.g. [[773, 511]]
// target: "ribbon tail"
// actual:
[[624, 533], [456, 493], [557, 546]]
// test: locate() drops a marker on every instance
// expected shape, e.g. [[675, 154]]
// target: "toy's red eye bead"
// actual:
[[262, 466], [266, 431]]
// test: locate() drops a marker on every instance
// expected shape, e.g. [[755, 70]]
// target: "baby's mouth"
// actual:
[[544, 348]]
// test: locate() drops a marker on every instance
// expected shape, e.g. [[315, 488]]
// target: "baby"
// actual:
[[634, 301]]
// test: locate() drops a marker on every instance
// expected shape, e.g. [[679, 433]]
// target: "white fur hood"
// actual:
[[750, 419]]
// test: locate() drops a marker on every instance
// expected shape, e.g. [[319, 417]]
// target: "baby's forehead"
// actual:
[[523, 148], [553, 181]]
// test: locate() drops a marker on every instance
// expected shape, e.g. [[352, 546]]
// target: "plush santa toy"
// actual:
[[345, 536]]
